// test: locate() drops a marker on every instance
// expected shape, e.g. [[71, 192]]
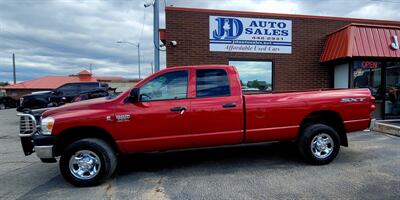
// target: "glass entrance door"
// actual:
[[392, 92], [368, 74]]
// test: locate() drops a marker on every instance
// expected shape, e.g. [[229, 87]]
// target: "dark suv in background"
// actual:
[[63, 94], [7, 102]]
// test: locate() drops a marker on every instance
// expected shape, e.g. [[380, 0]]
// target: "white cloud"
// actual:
[[64, 37]]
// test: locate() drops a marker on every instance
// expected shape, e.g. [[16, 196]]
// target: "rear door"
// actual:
[[216, 111], [69, 91], [86, 87]]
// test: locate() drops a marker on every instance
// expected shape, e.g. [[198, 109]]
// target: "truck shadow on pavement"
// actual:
[[279, 154]]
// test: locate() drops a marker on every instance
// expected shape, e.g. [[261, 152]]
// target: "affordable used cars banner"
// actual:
[[239, 34]]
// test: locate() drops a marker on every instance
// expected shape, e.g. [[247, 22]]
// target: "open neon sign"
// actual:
[[369, 64]]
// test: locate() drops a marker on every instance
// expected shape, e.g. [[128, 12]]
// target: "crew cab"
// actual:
[[191, 107]]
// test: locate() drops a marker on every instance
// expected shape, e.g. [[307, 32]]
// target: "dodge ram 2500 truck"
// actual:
[[191, 107]]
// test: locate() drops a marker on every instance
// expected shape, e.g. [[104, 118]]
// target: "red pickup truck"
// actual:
[[191, 107]]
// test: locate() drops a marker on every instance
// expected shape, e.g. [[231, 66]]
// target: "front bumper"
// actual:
[[372, 124], [42, 145], [33, 141], [45, 152]]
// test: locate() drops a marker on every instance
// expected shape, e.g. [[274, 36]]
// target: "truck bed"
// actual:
[[283, 112]]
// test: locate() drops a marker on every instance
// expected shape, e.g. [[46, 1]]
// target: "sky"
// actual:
[[62, 37]]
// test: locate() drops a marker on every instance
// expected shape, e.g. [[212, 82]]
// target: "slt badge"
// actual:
[[349, 100]]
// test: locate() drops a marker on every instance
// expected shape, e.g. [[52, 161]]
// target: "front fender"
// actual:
[[33, 103], [82, 118]]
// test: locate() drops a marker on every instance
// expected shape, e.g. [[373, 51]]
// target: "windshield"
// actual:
[[113, 95]]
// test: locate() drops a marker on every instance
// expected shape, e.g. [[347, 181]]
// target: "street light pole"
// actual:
[[138, 47]]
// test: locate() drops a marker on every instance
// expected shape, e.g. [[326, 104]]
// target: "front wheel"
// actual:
[[319, 144], [2, 106], [88, 162]]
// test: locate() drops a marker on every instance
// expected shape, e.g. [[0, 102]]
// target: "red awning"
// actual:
[[361, 40], [162, 35]]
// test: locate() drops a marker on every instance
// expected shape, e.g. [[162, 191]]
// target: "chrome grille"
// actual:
[[27, 125]]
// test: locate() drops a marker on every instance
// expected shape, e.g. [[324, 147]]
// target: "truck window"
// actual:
[[212, 83], [171, 85], [85, 87], [254, 75], [70, 89]]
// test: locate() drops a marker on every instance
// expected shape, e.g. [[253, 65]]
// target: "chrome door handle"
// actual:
[[180, 109], [229, 105]]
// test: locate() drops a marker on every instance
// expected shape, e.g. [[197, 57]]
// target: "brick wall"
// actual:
[[296, 71], [18, 93]]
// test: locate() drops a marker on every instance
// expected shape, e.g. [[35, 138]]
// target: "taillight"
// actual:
[[372, 106]]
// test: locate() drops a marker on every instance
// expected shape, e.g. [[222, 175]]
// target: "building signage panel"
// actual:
[[255, 35], [395, 44]]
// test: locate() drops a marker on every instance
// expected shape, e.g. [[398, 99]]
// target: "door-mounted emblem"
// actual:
[[395, 44], [109, 118]]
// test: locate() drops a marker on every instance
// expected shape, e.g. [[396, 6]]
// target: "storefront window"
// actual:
[[367, 74], [254, 75]]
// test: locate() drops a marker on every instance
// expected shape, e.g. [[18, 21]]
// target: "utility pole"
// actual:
[[156, 35], [156, 25], [14, 71], [138, 54], [90, 68]]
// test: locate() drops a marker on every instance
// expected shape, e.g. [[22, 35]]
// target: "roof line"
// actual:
[[365, 25], [279, 15]]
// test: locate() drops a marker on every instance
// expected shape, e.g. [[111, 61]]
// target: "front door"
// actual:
[[160, 120]]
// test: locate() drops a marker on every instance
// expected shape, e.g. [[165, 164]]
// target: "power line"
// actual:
[[386, 1], [143, 22]]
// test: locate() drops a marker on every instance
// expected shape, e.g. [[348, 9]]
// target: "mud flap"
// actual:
[[27, 145]]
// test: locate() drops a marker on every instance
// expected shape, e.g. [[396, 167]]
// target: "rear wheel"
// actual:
[[2, 106], [319, 144], [88, 162]]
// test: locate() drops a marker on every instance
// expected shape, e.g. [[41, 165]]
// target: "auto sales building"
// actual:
[[291, 52]]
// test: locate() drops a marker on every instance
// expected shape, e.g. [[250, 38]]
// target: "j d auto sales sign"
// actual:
[[255, 35]]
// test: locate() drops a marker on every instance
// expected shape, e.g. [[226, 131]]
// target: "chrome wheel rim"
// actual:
[[2, 107], [84, 164], [322, 146]]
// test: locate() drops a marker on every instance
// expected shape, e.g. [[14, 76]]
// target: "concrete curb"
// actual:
[[387, 128]]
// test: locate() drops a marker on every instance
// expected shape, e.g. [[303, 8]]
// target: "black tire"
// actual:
[[308, 135], [105, 154]]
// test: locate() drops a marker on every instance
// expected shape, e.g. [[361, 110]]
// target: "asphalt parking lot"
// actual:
[[368, 169]]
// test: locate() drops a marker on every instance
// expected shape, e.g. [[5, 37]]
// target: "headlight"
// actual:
[[47, 125]]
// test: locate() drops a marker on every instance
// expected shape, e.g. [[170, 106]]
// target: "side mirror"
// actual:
[[57, 92], [134, 95]]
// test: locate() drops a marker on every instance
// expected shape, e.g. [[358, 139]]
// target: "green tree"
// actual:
[[255, 84], [4, 83]]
